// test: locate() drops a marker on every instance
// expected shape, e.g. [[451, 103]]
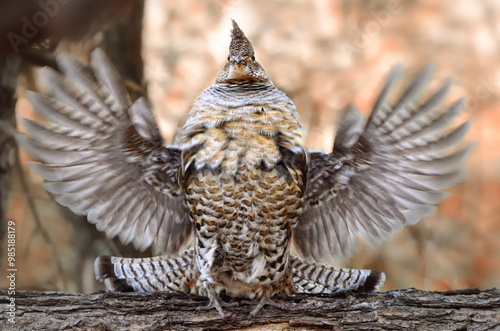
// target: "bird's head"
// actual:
[[241, 64]]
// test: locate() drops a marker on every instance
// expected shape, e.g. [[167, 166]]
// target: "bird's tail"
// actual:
[[310, 277], [159, 273]]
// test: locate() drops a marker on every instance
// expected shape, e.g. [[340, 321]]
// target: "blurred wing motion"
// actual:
[[383, 175], [104, 157]]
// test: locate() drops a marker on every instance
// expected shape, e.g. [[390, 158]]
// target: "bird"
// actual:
[[240, 207]]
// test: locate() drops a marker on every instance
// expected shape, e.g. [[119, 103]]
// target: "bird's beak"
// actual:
[[239, 59]]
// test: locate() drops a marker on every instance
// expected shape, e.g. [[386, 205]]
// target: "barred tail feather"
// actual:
[[310, 277], [160, 273]]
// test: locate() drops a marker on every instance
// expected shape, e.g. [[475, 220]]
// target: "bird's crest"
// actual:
[[241, 65], [240, 45]]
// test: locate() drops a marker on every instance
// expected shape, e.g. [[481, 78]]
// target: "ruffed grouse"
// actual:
[[241, 184]]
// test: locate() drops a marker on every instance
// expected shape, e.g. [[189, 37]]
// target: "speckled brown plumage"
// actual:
[[244, 176], [240, 186]]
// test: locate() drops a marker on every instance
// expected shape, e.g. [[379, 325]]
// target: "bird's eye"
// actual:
[[253, 57], [228, 57]]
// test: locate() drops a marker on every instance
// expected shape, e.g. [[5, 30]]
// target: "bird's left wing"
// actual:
[[103, 156], [382, 175]]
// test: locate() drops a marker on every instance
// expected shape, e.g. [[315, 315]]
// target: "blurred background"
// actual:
[[324, 54]]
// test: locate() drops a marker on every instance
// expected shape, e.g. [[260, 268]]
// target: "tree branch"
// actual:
[[395, 310]]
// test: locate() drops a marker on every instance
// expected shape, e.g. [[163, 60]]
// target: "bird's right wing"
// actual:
[[104, 157]]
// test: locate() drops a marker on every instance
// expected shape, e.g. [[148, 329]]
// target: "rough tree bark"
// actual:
[[394, 310]]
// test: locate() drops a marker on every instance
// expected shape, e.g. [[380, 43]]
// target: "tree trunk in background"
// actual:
[[395, 310], [9, 70], [123, 44]]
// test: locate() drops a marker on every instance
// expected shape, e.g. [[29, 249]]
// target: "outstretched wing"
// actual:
[[382, 175], [104, 157]]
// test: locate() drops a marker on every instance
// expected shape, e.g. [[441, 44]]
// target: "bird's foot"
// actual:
[[263, 302], [215, 302]]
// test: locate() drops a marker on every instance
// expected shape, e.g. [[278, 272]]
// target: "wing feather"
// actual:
[[104, 156], [384, 176]]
